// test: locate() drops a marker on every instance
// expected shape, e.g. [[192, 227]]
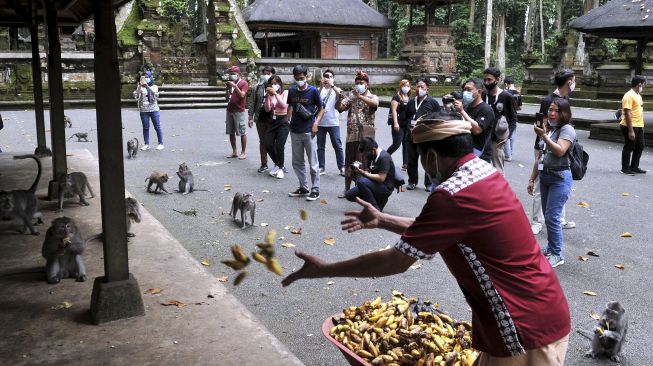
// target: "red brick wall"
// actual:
[[329, 49]]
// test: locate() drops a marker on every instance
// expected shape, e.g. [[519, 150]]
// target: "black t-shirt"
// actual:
[[401, 110], [426, 106], [384, 164], [544, 109], [484, 116], [505, 99]]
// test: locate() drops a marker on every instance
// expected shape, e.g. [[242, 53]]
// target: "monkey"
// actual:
[[80, 136], [157, 178], [187, 180], [74, 183], [23, 203], [609, 335], [62, 249], [133, 214], [132, 148], [68, 122], [243, 202]]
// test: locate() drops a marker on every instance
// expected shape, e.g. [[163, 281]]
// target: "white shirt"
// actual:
[[331, 115]]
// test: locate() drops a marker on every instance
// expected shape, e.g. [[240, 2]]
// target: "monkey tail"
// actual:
[[38, 174], [72, 136], [138, 144], [585, 333]]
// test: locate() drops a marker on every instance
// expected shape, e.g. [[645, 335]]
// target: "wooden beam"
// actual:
[[42, 149]]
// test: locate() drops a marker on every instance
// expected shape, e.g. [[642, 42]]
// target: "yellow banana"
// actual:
[[269, 237], [241, 276], [376, 302], [274, 266], [259, 258], [236, 265], [238, 253], [363, 353]]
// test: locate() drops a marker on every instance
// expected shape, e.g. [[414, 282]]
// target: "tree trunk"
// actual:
[[388, 41], [541, 29], [559, 15], [581, 53], [13, 38], [202, 16], [501, 41], [488, 33], [472, 15], [530, 25], [211, 40]]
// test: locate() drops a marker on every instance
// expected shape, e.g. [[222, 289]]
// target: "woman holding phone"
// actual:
[[147, 95]]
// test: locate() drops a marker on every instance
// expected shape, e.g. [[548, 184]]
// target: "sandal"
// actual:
[[231, 156], [242, 157]]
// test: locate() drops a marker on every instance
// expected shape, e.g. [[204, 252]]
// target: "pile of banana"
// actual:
[[404, 331], [265, 255]]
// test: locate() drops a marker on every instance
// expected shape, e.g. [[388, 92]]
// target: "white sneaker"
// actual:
[[145, 147], [536, 228], [279, 174], [568, 224], [274, 170], [160, 147]]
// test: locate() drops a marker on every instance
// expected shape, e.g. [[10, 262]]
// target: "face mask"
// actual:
[[468, 97], [572, 86], [360, 88], [421, 92], [489, 87], [553, 123], [301, 83], [432, 156], [405, 89], [233, 77], [264, 78], [147, 81], [276, 87]]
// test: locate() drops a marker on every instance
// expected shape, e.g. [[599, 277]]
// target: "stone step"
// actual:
[[612, 132], [579, 102], [190, 87], [213, 99], [194, 106], [185, 93]]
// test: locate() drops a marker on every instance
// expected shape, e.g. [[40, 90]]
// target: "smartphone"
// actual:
[[539, 119]]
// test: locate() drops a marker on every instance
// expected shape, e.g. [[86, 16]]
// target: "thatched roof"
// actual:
[[626, 19], [351, 14], [70, 12]]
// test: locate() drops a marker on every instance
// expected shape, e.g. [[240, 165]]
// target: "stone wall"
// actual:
[[331, 41]]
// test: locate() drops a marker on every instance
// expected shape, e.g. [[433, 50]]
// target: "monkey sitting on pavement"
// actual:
[[80, 136], [67, 122], [157, 178], [74, 183], [133, 214], [243, 202], [187, 180], [23, 203], [132, 148], [610, 334], [62, 250]]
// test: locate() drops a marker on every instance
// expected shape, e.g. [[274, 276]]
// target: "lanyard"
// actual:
[[417, 106]]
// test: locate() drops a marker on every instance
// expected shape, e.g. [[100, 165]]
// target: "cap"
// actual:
[[235, 69]]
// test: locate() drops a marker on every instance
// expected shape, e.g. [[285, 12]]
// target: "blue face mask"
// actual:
[[468, 97], [360, 88]]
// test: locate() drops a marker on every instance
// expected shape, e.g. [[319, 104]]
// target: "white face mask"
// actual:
[[405, 89], [301, 83], [233, 77], [264, 78], [572, 86], [421, 92], [360, 88], [276, 87]]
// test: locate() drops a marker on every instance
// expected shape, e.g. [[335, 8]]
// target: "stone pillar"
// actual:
[[116, 295], [42, 149], [55, 83]]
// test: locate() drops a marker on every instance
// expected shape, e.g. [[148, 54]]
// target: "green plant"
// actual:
[[174, 9], [127, 34], [469, 62]]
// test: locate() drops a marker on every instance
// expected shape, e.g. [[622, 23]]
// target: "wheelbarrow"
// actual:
[[350, 356]]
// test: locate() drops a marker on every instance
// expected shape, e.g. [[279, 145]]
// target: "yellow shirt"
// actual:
[[634, 103]]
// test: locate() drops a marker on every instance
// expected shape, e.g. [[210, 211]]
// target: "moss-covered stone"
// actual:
[[127, 35], [149, 25], [225, 28]]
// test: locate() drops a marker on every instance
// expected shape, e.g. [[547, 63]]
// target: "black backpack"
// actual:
[[578, 160]]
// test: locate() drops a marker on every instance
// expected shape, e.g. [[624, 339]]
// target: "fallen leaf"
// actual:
[[205, 262], [223, 279], [288, 245], [416, 266], [330, 283], [594, 315], [265, 224], [63, 305], [593, 253], [625, 194], [583, 204], [521, 165], [329, 241], [265, 191], [303, 215], [296, 231], [582, 259], [176, 303], [286, 227], [589, 293], [626, 235], [620, 266], [324, 202], [260, 200], [153, 291], [227, 187]]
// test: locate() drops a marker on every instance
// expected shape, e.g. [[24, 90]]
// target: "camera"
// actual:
[[448, 99]]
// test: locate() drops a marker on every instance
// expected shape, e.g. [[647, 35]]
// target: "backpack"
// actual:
[[578, 160]]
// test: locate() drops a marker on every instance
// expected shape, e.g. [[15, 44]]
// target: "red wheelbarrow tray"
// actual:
[[352, 358]]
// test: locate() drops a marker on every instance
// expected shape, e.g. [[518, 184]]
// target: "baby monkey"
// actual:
[[132, 148], [75, 184], [157, 178], [243, 202], [133, 214], [62, 249], [80, 136]]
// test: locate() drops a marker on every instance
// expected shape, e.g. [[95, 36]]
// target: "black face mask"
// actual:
[[489, 87]]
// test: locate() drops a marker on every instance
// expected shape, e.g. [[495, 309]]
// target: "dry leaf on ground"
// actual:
[[265, 191], [589, 293], [620, 266], [416, 266], [296, 231], [625, 194], [63, 305], [626, 235], [227, 187], [176, 303], [583, 204], [329, 241], [223, 279], [330, 283], [582, 259], [260, 200], [288, 245], [594, 315], [153, 291], [205, 262], [593, 253], [265, 224], [324, 202]]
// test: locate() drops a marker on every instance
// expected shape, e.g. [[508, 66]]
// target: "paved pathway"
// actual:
[[294, 314]]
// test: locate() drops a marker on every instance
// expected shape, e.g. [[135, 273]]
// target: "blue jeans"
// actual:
[[555, 187], [509, 146], [334, 134], [370, 191], [145, 118]]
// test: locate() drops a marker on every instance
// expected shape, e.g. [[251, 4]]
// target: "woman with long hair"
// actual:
[[276, 104], [148, 95], [397, 119], [555, 137]]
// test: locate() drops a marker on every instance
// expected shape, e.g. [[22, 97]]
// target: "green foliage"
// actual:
[[127, 35], [470, 46], [174, 9]]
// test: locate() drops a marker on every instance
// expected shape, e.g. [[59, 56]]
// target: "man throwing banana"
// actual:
[[474, 220]]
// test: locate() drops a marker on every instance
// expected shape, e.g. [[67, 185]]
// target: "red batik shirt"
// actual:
[[477, 224]]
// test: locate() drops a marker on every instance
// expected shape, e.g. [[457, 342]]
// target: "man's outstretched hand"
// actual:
[[368, 218], [311, 269]]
